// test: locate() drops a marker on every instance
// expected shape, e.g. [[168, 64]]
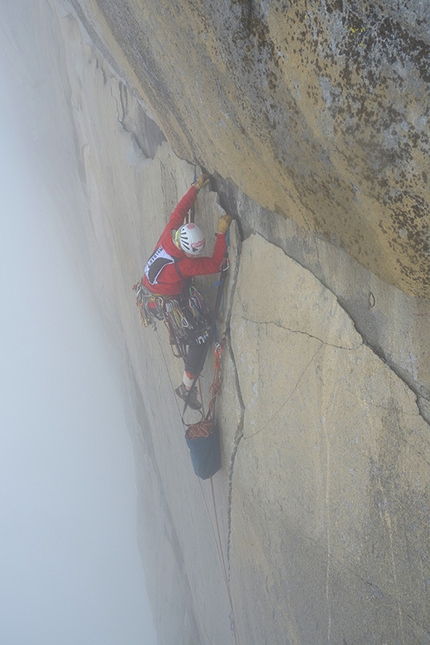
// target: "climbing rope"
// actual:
[[204, 427], [207, 423], [213, 516], [224, 568]]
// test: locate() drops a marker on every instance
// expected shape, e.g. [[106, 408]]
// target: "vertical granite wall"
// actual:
[[324, 493], [317, 110]]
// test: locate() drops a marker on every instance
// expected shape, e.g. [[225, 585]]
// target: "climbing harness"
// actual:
[[186, 316]]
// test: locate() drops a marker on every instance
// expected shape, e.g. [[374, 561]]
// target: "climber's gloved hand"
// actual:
[[224, 223], [201, 181]]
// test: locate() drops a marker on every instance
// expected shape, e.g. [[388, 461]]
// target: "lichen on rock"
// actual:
[[316, 110]]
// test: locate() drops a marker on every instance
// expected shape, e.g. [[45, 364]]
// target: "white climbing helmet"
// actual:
[[190, 239]]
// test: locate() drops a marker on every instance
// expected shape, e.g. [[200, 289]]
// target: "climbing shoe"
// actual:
[[190, 396]]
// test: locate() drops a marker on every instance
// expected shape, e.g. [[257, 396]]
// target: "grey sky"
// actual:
[[70, 568]]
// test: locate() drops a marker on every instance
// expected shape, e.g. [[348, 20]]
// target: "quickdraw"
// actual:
[[216, 386], [173, 312], [197, 305], [150, 307]]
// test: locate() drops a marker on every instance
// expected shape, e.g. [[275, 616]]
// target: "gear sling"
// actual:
[[186, 315]]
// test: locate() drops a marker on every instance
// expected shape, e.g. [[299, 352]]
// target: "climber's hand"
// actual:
[[224, 223], [201, 181]]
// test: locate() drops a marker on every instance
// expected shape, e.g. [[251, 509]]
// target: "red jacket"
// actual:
[[169, 281]]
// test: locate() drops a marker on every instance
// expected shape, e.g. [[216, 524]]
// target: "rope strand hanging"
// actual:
[[204, 427]]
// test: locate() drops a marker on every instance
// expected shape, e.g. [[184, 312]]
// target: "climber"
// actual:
[[177, 258]]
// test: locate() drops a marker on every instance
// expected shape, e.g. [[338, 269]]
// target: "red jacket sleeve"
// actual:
[[176, 219], [204, 266]]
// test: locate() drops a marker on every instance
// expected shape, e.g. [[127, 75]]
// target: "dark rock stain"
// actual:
[[341, 81]]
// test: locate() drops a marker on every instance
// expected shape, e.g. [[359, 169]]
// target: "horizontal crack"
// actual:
[[422, 397], [305, 333]]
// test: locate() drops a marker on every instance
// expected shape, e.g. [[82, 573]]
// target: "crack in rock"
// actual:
[[304, 333], [236, 442], [378, 351], [422, 398], [264, 222], [251, 436], [240, 426]]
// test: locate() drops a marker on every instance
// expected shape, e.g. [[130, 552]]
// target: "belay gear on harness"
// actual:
[[186, 316], [150, 307]]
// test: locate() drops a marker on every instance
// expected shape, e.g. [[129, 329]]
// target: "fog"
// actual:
[[70, 566]]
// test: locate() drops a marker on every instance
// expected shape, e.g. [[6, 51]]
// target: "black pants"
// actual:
[[195, 355], [197, 339]]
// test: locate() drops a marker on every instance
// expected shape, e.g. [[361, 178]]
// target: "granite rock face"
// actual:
[[330, 476], [316, 528], [316, 110]]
